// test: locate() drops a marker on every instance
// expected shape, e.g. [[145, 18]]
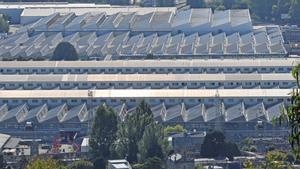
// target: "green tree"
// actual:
[[231, 150], [153, 143], [275, 160], [65, 51], [262, 8], [103, 132], [291, 116], [131, 131], [295, 11], [45, 164], [214, 145], [248, 165], [4, 25], [81, 164]]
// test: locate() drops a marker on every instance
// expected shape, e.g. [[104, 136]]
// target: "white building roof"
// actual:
[[275, 62], [79, 10], [144, 93], [145, 77]]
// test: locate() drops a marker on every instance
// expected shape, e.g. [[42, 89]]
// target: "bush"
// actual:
[[175, 129], [45, 164], [81, 164]]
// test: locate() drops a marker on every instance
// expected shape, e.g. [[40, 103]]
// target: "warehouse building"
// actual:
[[14, 10], [195, 67], [193, 33], [29, 12], [199, 94]]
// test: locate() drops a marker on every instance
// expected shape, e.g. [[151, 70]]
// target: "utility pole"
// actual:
[[29, 126], [219, 111], [90, 112]]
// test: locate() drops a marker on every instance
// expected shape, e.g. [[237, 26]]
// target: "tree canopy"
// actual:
[[214, 145], [65, 51], [153, 143], [103, 132], [137, 137], [292, 116], [131, 131]]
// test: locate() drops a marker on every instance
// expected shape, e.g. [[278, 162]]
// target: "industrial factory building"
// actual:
[[199, 68]]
